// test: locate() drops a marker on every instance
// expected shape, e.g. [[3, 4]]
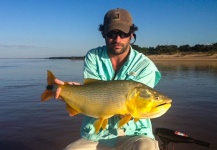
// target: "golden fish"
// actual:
[[104, 99]]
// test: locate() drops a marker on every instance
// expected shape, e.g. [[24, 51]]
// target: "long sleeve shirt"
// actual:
[[138, 67]]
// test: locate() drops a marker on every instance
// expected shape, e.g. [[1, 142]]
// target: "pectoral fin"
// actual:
[[124, 120], [71, 111], [105, 122], [98, 124], [136, 119]]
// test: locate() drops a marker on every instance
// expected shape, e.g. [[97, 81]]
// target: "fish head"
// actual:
[[148, 103]]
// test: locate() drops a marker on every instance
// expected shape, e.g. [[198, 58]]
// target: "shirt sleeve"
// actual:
[[90, 66], [149, 75], [144, 70]]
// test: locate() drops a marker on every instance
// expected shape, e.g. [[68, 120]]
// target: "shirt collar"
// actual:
[[130, 57]]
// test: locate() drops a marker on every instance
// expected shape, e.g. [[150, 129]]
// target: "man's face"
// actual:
[[117, 42]]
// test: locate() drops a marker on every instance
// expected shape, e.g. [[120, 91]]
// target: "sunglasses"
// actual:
[[114, 34]]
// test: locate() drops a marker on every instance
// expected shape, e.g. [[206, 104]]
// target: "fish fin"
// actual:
[[98, 124], [124, 120], [50, 81], [47, 95], [105, 122], [89, 81], [136, 119], [50, 78], [71, 111]]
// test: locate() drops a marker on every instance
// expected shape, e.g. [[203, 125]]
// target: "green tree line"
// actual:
[[173, 49]]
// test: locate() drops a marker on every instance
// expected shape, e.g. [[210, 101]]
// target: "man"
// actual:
[[117, 61]]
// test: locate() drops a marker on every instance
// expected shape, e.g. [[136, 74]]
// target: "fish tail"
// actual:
[[48, 93]]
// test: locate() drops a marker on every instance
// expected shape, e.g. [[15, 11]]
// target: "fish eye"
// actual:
[[157, 97]]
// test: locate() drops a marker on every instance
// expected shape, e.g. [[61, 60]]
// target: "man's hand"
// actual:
[[59, 82]]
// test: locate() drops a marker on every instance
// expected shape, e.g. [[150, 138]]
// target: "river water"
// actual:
[[28, 124]]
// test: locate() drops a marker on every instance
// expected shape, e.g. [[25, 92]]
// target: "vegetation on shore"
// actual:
[[165, 49], [173, 49], [72, 57]]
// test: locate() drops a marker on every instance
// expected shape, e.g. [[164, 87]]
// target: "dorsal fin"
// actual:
[[89, 81]]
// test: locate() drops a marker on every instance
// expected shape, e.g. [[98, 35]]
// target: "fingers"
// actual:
[[57, 95], [57, 81], [58, 91]]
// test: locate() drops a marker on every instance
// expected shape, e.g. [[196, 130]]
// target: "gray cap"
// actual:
[[119, 19]]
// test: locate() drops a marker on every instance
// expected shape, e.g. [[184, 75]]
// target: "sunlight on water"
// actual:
[[29, 124]]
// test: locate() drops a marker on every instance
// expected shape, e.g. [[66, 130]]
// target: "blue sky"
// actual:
[[45, 28]]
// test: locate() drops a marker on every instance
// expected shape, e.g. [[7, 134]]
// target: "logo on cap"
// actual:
[[116, 16]]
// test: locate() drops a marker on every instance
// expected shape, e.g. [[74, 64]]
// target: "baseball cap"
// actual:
[[119, 19]]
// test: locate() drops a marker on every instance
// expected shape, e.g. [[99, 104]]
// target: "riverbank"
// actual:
[[190, 57]]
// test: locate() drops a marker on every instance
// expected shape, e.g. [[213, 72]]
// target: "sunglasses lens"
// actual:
[[114, 34], [122, 35]]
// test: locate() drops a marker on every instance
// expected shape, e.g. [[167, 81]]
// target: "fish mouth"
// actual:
[[161, 104], [165, 103]]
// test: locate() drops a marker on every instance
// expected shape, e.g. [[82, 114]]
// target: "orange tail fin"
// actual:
[[48, 93]]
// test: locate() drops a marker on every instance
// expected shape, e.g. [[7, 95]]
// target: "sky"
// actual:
[[51, 28]]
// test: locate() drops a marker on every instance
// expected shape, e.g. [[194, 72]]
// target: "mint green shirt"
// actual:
[[139, 68]]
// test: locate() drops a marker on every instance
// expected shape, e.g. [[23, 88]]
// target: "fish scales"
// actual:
[[105, 102], [104, 99]]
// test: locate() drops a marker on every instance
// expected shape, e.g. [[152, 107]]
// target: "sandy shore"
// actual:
[[190, 57]]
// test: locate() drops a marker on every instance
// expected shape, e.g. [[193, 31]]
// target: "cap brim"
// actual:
[[122, 27]]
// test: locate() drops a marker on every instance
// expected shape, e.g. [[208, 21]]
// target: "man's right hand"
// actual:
[[59, 82]]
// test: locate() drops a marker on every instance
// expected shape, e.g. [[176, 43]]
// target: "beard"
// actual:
[[117, 48]]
